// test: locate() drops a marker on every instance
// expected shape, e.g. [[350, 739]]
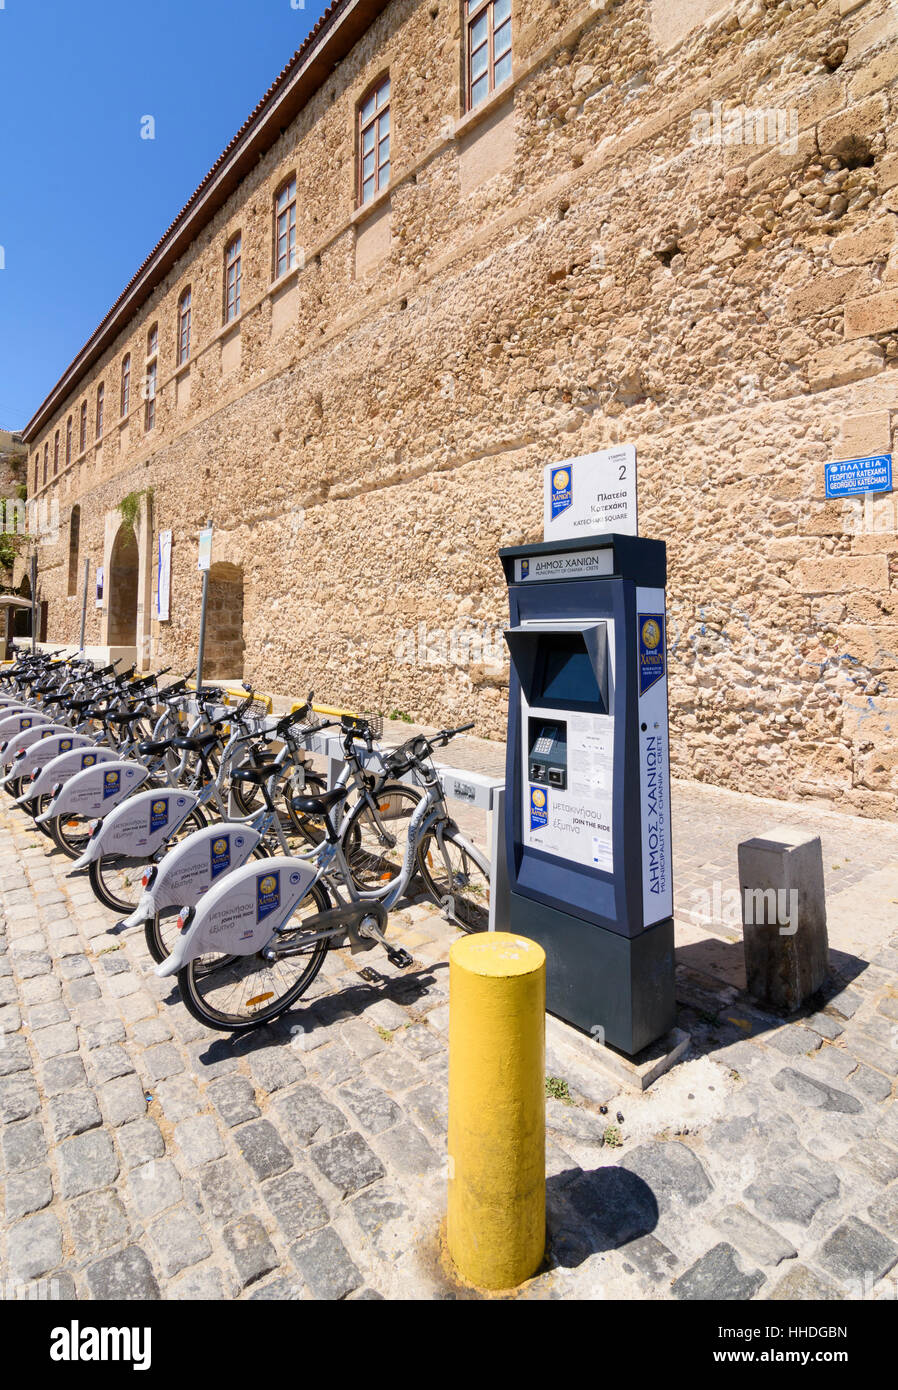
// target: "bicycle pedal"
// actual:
[[398, 957]]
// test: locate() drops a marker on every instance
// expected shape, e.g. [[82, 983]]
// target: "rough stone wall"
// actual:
[[591, 260]]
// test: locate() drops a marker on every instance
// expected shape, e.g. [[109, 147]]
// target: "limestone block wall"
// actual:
[[675, 228]]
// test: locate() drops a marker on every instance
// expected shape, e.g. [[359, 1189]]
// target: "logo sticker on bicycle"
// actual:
[[65, 745], [268, 895], [562, 490], [158, 814], [539, 808], [25, 724], [48, 732], [88, 760], [112, 782], [221, 856]]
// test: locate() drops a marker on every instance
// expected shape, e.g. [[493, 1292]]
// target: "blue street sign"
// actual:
[[851, 477]]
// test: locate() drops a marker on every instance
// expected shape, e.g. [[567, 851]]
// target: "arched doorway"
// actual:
[[223, 657], [124, 569], [22, 620]]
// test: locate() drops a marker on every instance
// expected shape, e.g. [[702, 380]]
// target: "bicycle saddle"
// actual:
[[196, 745], [152, 746], [258, 774], [319, 804]]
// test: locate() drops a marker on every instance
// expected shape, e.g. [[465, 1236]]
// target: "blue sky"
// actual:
[[83, 198]]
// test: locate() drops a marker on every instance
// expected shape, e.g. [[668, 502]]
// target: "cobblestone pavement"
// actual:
[[143, 1157]]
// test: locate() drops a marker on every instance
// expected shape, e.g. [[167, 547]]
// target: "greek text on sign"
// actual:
[[579, 564], [851, 477], [593, 495]]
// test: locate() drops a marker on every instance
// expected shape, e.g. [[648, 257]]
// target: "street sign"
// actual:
[[205, 556], [852, 477], [592, 495]]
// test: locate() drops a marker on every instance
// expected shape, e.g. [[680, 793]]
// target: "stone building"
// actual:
[[430, 263]]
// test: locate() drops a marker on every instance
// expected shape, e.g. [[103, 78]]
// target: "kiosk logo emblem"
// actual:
[[562, 490], [651, 650], [539, 808]]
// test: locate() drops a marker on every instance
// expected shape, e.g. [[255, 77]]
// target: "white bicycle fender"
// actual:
[[190, 869], [23, 729], [43, 751], [142, 824], [65, 766], [96, 791], [239, 915]]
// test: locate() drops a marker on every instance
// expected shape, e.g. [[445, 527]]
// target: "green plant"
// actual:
[[612, 1137], [385, 1034], [557, 1089], [7, 551], [130, 505], [22, 491], [400, 714]]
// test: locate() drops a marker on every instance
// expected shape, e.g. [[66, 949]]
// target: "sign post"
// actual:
[[33, 603], [84, 605], [204, 564]]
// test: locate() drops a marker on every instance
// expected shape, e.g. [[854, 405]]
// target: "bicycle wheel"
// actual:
[[234, 994], [376, 836], [116, 878], [309, 828], [458, 878], [161, 931], [70, 833]]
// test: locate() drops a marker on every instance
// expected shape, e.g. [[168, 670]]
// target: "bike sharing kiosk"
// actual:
[[587, 778]]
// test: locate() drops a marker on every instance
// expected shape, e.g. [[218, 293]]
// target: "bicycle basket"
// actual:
[[362, 723]]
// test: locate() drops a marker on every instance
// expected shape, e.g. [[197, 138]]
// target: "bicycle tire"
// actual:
[[371, 864], [100, 871], [159, 930], [467, 895]]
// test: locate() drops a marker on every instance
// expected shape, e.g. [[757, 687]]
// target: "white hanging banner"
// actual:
[[99, 579], [205, 556], [163, 578]]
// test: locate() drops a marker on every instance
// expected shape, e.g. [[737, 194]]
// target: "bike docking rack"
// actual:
[[473, 789]]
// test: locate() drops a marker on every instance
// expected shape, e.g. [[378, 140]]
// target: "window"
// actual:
[[68, 441], [82, 434], [153, 341], [37, 464], [126, 385], [46, 461], [184, 327], [149, 412], [374, 141], [488, 28], [233, 279], [56, 454], [74, 540], [285, 229], [101, 395]]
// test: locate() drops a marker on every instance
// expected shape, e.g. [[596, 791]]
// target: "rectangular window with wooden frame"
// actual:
[[487, 47], [126, 386], [233, 278], [374, 141], [149, 409], [68, 441], [285, 229], [101, 397], [153, 341], [46, 462], [184, 327], [37, 464], [82, 429], [56, 454]]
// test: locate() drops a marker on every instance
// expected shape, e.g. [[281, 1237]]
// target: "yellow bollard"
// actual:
[[496, 1227]]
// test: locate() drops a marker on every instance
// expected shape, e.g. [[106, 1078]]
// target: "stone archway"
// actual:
[[223, 656], [122, 582], [22, 619]]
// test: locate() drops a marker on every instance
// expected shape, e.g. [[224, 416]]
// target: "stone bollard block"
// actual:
[[783, 916]]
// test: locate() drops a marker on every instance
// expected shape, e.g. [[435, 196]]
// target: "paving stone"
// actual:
[[405, 1150], [40, 990], [140, 1141], [801, 1284], [114, 964], [104, 1033], [275, 1067], [179, 1240], [280, 1290], [18, 1098], [652, 1258], [617, 1206], [826, 1025], [879, 1161], [888, 1007], [430, 1105], [108, 1062], [362, 1038], [199, 1139], [334, 1065], [263, 1148], [86, 1163], [817, 1094], [306, 1116], [32, 964], [34, 1246], [794, 1192], [73, 967], [74, 1112], [844, 1002], [150, 1031], [325, 1265], [348, 1162], [253, 1254], [855, 1252], [125, 1275], [215, 1056], [199, 1285], [47, 1015], [794, 1041], [377, 1211], [179, 1097], [876, 1054], [234, 1099], [97, 1221], [881, 1030], [719, 1276], [54, 1041], [11, 1019], [295, 1204], [123, 1100], [159, 1063], [83, 991], [225, 1191], [14, 1056], [154, 1187], [23, 1145], [752, 1236], [884, 1211], [63, 1074], [373, 1108], [29, 1191], [672, 1171], [394, 1070]]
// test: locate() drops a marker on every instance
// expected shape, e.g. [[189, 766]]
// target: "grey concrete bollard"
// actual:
[[783, 916]]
